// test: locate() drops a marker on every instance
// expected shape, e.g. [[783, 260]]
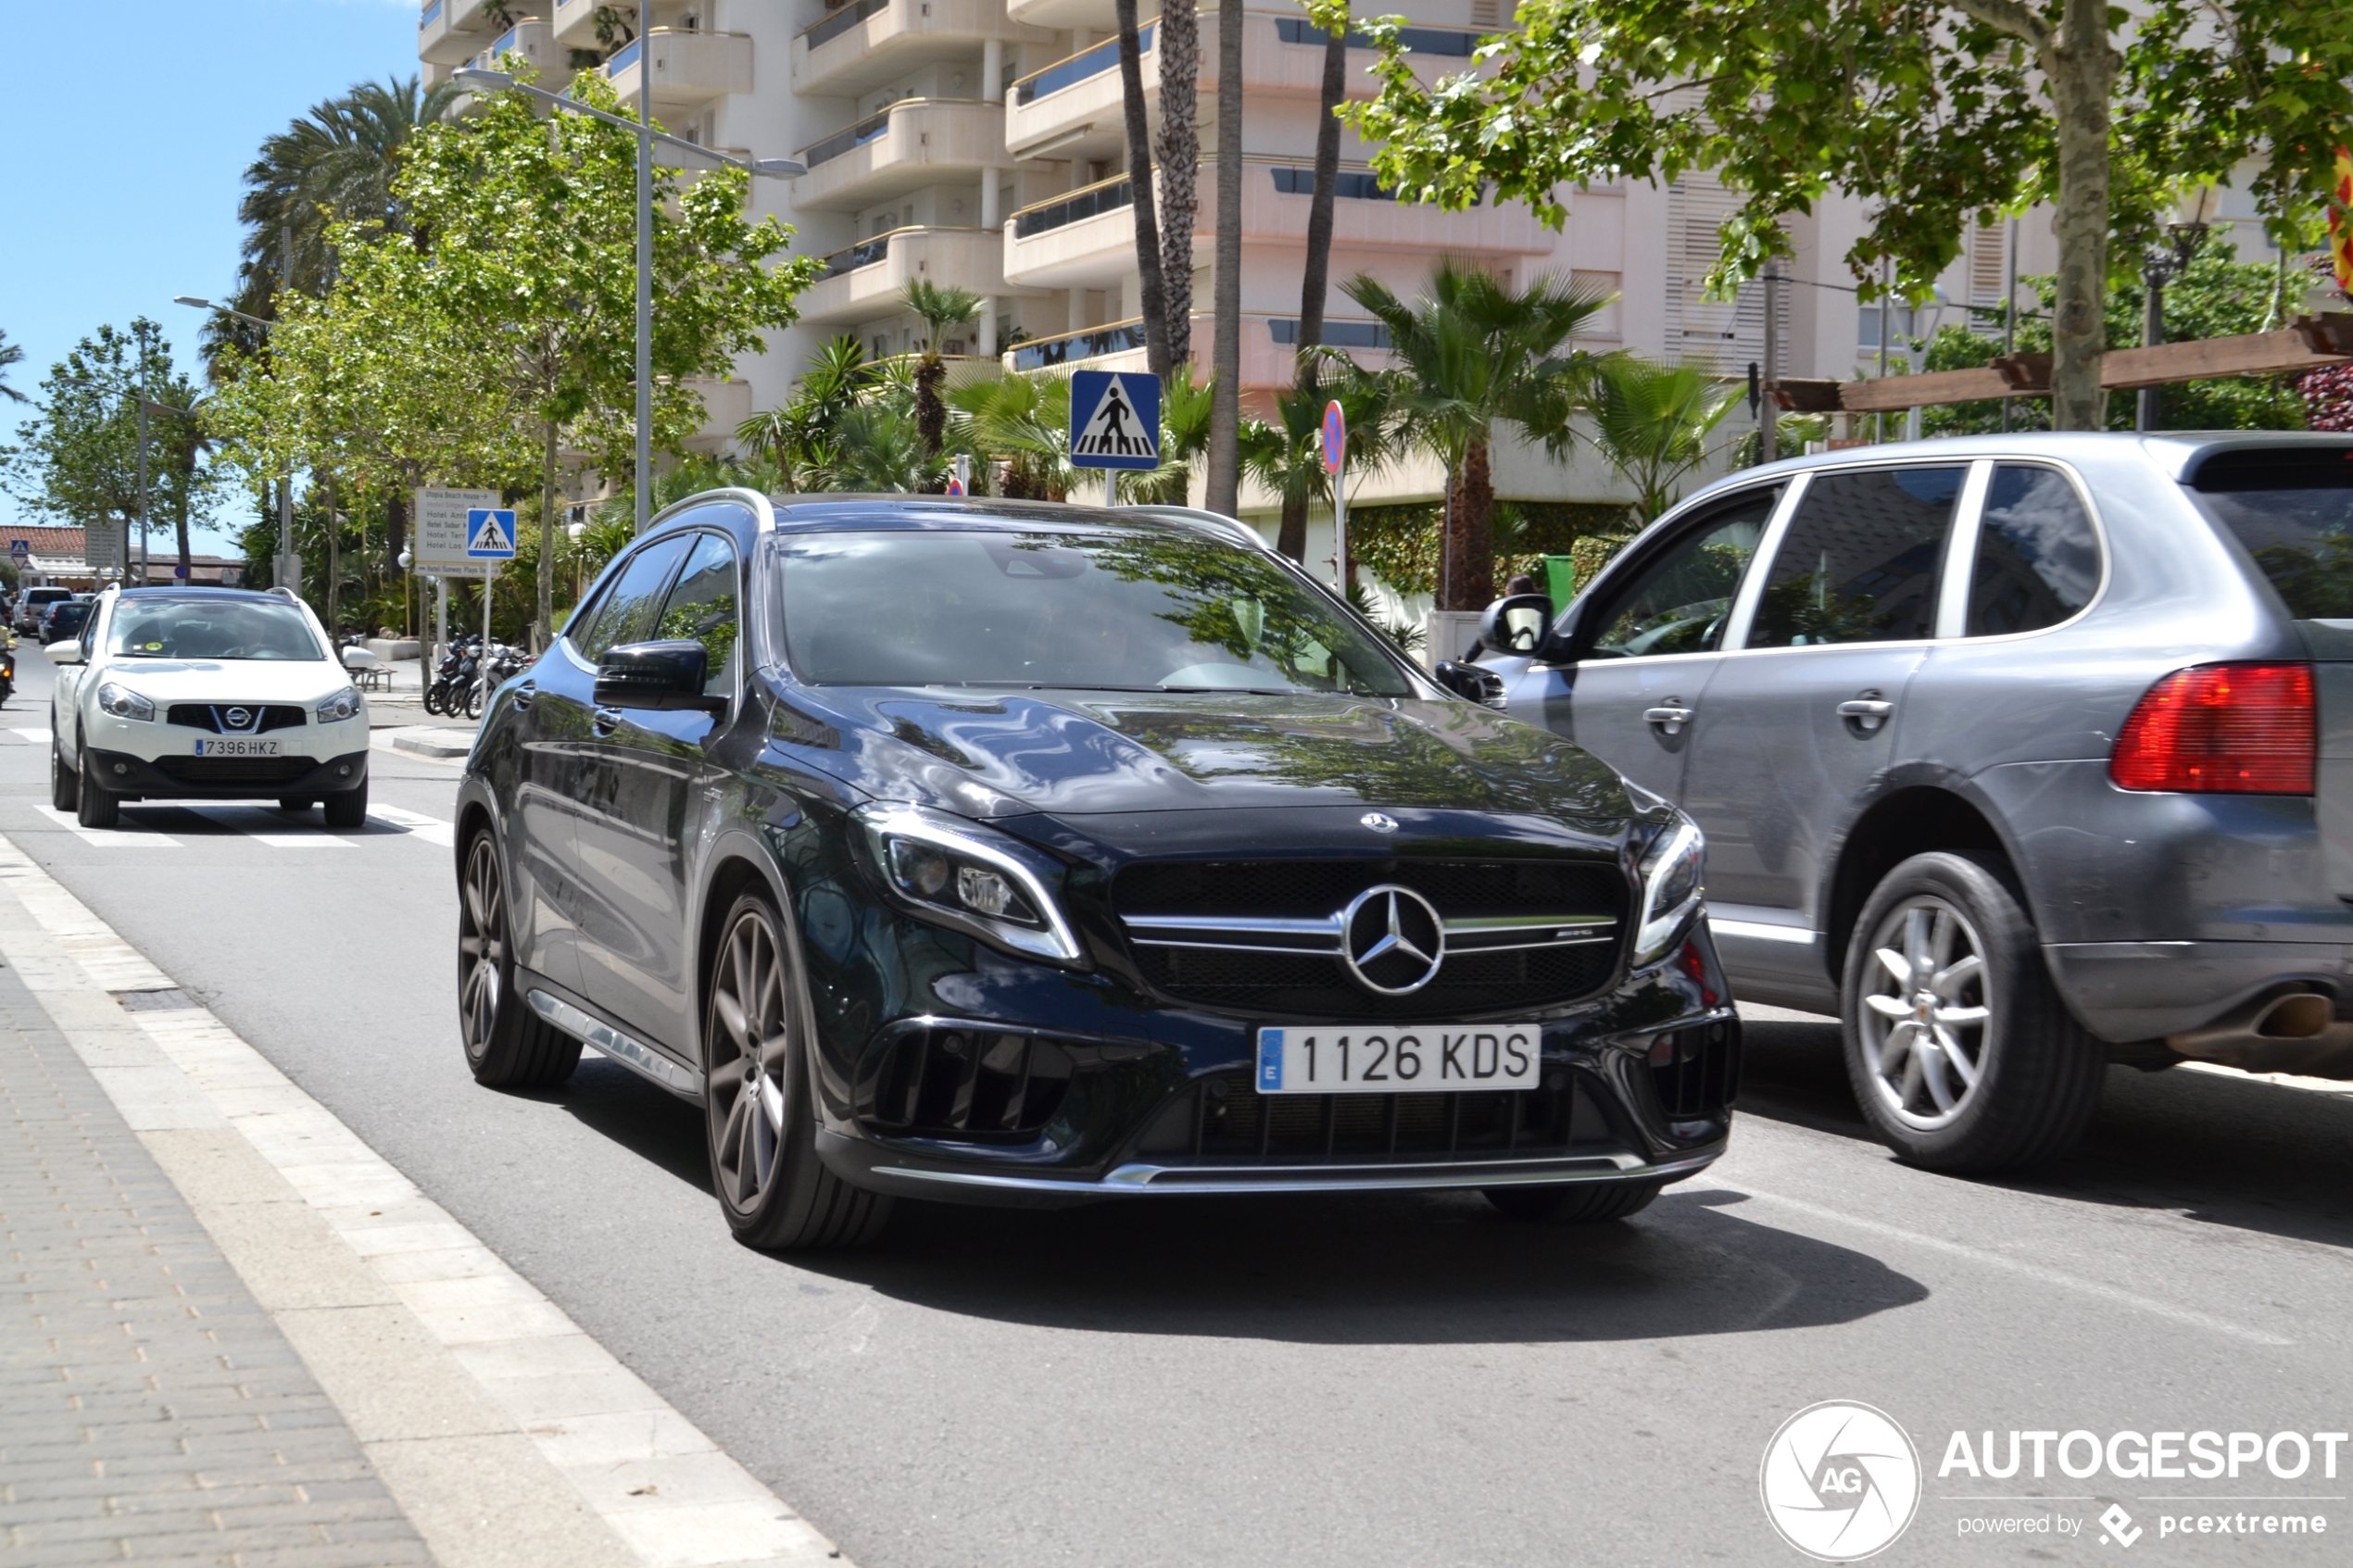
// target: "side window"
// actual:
[[1680, 601], [703, 607], [2038, 559], [627, 613], [1861, 559]]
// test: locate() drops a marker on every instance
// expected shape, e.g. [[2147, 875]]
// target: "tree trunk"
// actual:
[[542, 630], [1470, 565], [2081, 68], [1315, 282], [1154, 305], [396, 529], [1226, 349], [1180, 144], [334, 563], [1292, 539], [931, 414]]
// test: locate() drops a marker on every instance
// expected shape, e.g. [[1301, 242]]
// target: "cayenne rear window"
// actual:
[[2293, 510]]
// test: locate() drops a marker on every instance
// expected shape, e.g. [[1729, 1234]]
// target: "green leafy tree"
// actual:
[[1186, 406], [1473, 355], [943, 307], [1653, 421], [1024, 421], [798, 435], [1936, 112], [10, 354]]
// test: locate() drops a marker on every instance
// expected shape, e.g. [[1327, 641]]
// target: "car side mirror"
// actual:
[[359, 658], [666, 675], [67, 651], [1522, 623], [1471, 681]]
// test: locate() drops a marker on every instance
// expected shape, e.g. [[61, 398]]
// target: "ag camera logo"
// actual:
[[1840, 1481]]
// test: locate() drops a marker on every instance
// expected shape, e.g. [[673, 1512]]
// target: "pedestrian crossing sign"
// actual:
[[490, 533], [1114, 419]]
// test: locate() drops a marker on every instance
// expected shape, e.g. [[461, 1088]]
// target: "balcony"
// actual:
[[451, 33], [536, 41], [1083, 240], [725, 405], [1061, 16], [865, 281], [575, 22], [1076, 107], [1269, 359], [916, 142], [689, 68], [866, 44]]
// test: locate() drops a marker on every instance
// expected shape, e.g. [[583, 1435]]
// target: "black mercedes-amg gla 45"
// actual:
[[998, 852]]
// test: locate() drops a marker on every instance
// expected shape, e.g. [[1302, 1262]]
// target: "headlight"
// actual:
[[124, 703], [1671, 872], [341, 706], [961, 875]]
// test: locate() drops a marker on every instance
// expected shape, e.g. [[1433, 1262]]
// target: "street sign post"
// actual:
[[960, 477], [1114, 425], [441, 535], [1336, 464], [490, 538]]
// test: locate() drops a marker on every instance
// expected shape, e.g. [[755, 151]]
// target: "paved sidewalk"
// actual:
[[150, 1410]]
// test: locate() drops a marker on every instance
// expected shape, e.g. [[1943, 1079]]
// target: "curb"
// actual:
[[430, 740]]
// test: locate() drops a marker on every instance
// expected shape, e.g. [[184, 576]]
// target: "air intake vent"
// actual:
[[969, 1084], [1697, 1070]]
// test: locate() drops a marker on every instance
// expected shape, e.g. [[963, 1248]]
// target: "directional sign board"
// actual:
[[1114, 419], [490, 533], [442, 534]]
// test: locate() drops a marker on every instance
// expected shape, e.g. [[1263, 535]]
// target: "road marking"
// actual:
[[2030, 1271], [38, 737], [109, 838], [449, 1365], [229, 817], [433, 830]]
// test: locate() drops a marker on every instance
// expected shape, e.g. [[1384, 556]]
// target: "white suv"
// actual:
[[213, 693]]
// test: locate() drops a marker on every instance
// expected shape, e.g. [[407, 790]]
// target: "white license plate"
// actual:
[[232, 746], [1422, 1060]]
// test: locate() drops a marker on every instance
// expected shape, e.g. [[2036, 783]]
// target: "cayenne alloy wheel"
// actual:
[[507, 1045], [1926, 1012]]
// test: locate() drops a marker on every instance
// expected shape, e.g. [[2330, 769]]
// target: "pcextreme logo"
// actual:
[[1840, 1481]]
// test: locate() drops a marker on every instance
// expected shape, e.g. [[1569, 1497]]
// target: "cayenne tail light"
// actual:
[[2227, 729]]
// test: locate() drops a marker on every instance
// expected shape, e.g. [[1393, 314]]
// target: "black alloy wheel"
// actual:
[[1961, 1054], [98, 805], [65, 784], [775, 1193], [1581, 1203], [508, 1046]]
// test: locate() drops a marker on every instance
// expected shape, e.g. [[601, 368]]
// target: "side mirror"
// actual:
[[65, 651], [359, 658], [666, 676], [1522, 623], [1471, 681]]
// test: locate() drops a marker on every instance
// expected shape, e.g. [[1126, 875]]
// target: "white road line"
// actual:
[[38, 737], [1980, 1255], [110, 838], [433, 830], [232, 817], [669, 1497]]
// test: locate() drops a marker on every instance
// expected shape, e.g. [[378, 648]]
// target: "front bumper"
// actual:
[[126, 773]]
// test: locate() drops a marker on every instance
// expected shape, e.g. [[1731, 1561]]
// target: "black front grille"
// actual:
[[207, 716], [1230, 975], [234, 770], [1306, 983], [968, 1085], [1223, 1120], [1697, 1070]]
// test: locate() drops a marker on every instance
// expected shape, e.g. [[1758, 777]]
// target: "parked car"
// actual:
[[33, 603], [64, 620], [210, 694], [2021, 754], [1023, 853]]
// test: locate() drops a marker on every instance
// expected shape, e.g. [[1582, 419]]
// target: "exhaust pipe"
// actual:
[[2295, 1033]]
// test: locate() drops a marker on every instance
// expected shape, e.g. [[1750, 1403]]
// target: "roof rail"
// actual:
[[1232, 529], [279, 590]]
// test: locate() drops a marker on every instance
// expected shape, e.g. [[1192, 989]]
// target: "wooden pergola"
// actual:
[[2309, 343]]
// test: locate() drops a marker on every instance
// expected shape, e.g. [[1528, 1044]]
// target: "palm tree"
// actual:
[[1315, 279], [1179, 142], [798, 436], [1652, 421], [942, 306], [1184, 435], [1157, 358], [1025, 421], [10, 354], [1473, 354], [1226, 329], [880, 447], [1285, 455], [334, 165]]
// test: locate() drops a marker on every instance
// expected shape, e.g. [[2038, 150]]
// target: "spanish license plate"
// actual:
[[232, 745], [1430, 1057]]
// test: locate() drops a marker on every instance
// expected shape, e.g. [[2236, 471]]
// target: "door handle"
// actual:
[[606, 720], [524, 693], [1670, 717], [1866, 713]]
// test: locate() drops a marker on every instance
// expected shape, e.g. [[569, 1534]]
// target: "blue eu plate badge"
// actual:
[[1270, 1062]]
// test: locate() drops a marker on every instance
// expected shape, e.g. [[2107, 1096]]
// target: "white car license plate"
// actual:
[[1421, 1060], [232, 746]]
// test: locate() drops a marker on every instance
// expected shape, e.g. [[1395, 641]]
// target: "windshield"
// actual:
[[2293, 510], [1109, 610], [212, 629]]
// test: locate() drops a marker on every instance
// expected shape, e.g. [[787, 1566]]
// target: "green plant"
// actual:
[[1652, 422], [942, 307]]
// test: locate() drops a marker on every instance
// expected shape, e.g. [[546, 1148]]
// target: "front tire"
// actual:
[[65, 784], [434, 702], [1962, 1053], [473, 702], [98, 805], [508, 1046], [777, 1195], [1581, 1203], [349, 809]]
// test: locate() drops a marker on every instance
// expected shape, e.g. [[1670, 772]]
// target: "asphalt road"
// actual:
[[1354, 1382]]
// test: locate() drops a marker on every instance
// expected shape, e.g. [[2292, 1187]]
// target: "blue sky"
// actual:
[[131, 124]]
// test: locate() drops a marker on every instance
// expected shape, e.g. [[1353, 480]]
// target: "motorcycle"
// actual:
[[8, 669], [446, 695]]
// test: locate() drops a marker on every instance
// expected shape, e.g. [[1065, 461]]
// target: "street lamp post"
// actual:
[[2158, 268], [482, 81]]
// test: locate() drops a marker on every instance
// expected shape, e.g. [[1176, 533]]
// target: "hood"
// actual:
[[225, 680], [996, 755]]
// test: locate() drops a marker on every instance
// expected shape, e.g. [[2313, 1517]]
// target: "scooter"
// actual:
[[9, 668]]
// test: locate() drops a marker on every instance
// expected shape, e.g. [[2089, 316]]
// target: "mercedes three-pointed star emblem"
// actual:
[[1380, 822], [1391, 940]]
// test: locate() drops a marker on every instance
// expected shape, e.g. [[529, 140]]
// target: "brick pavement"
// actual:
[[150, 1411]]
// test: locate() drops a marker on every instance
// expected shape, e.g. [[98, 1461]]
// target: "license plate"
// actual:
[[1423, 1059], [232, 746]]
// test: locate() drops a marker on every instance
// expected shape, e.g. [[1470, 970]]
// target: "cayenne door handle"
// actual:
[[606, 720], [1867, 714], [1670, 718]]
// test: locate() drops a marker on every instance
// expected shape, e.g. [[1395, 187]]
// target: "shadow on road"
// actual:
[[2231, 1151]]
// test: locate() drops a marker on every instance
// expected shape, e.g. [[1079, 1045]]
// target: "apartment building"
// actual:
[[980, 143]]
